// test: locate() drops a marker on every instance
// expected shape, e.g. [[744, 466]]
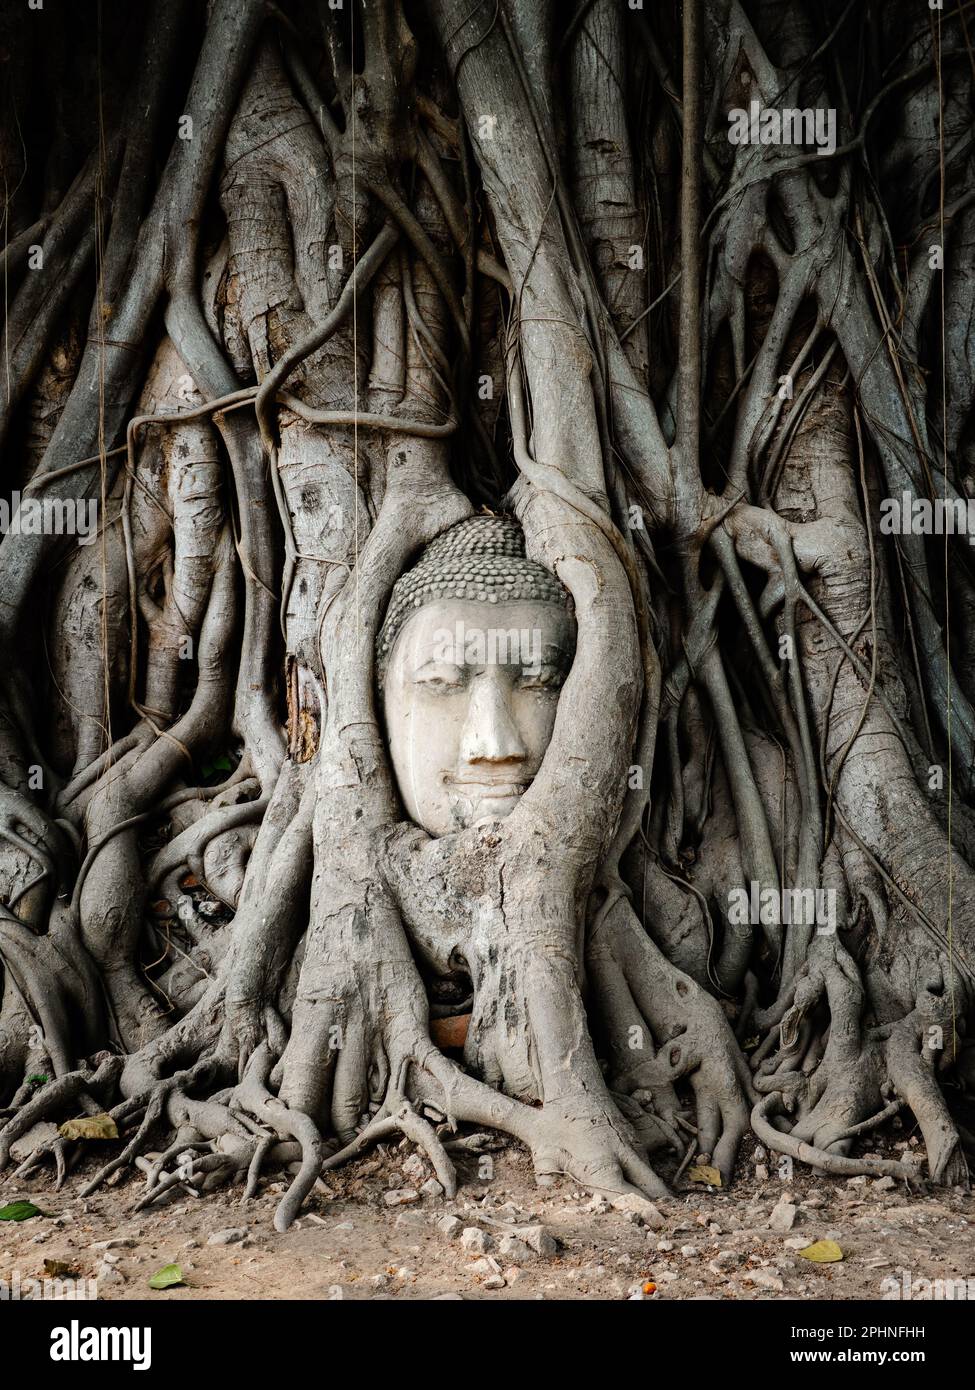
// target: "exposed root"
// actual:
[[253, 1096], [261, 1151], [196, 1174], [665, 1029], [824, 1162], [403, 1119], [55, 1097]]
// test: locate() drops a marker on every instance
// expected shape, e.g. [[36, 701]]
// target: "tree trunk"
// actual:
[[322, 285]]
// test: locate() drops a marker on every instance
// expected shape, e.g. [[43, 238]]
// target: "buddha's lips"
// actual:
[[488, 789]]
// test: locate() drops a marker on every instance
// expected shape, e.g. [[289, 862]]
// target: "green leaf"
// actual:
[[703, 1172], [38, 1079], [19, 1211], [91, 1127], [167, 1278], [823, 1252], [221, 763]]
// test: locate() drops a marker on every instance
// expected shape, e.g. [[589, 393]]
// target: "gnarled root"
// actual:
[[402, 1118], [661, 1027], [837, 1091]]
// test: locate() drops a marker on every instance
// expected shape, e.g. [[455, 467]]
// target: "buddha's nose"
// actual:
[[491, 732]]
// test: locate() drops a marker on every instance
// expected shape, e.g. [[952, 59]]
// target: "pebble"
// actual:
[[539, 1239], [410, 1218], [432, 1188], [401, 1196], [43, 1132], [514, 1249], [477, 1241], [651, 1216], [726, 1259], [783, 1217], [450, 1226], [509, 1212], [233, 1235]]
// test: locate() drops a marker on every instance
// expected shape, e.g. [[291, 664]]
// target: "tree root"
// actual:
[[403, 1119], [653, 1002], [824, 1162], [253, 1096], [55, 1096]]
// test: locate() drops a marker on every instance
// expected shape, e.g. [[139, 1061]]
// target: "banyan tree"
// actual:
[[456, 668]]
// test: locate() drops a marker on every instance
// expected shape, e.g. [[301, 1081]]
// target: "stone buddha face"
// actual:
[[476, 645]]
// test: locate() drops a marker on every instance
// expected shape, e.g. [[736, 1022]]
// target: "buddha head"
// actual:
[[475, 647]]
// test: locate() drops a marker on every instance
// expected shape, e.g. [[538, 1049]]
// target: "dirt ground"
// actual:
[[372, 1234]]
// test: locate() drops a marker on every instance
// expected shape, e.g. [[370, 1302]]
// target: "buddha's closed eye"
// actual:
[[550, 678], [440, 675]]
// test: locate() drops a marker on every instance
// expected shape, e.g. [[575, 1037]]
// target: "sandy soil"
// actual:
[[353, 1244]]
